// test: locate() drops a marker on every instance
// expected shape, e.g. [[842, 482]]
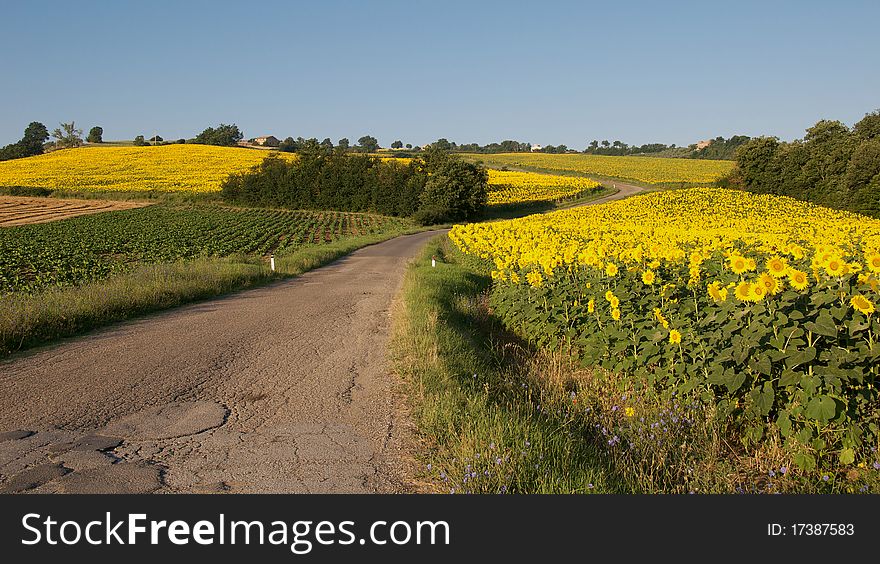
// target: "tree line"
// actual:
[[436, 188], [833, 165]]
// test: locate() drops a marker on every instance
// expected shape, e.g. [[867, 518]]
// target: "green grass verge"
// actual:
[[27, 321], [488, 423]]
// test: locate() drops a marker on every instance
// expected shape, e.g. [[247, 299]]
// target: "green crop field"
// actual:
[[88, 248]]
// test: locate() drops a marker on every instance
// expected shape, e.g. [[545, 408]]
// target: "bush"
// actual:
[[458, 188], [223, 135], [25, 191], [432, 216], [832, 166], [35, 135]]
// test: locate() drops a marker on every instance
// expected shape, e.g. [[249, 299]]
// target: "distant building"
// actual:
[[536, 148], [267, 141], [703, 144]]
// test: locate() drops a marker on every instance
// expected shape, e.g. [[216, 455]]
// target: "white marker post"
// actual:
[[272, 262], [433, 262]]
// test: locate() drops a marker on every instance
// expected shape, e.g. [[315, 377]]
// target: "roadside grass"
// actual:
[[487, 422], [496, 415], [27, 321]]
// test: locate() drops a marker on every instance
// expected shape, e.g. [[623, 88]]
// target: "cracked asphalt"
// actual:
[[280, 389]]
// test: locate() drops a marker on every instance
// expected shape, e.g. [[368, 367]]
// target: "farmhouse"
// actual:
[[267, 141], [536, 148]]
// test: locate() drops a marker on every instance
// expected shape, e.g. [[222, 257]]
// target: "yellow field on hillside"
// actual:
[[648, 170], [168, 168], [508, 187]]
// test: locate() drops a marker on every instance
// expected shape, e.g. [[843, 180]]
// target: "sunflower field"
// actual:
[[166, 168], [647, 170], [508, 187], [762, 307]]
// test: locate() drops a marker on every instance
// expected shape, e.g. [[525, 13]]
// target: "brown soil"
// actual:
[[22, 210]]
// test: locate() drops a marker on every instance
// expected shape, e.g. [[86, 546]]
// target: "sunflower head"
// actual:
[[873, 262], [611, 269], [770, 284], [648, 277], [615, 314], [835, 267], [738, 264], [776, 267], [674, 336], [743, 291], [862, 304], [798, 279]]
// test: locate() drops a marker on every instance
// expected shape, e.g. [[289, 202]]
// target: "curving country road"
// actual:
[[283, 388]]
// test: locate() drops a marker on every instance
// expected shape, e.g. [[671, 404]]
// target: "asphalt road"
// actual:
[[284, 388]]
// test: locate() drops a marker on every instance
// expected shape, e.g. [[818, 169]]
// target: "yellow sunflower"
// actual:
[[835, 267], [648, 277], [535, 279], [738, 264], [615, 314], [674, 337], [743, 291], [776, 267], [716, 292], [798, 279], [591, 306], [759, 292], [611, 269], [873, 261], [862, 304], [770, 284]]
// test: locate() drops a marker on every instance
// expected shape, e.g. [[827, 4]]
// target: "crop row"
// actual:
[[87, 248]]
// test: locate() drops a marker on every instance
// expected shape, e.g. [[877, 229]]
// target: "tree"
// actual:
[[455, 189], [67, 136], [869, 126], [327, 143], [397, 145], [409, 145], [35, 134], [139, 141], [343, 143], [368, 144], [96, 135], [223, 135], [441, 144]]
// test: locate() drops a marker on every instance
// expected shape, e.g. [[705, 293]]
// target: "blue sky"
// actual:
[[539, 71]]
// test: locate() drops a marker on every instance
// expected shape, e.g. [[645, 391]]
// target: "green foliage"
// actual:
[[94, 247], [833, 166], [804, 367], [368, 144], [446, 187], [139, 141], [35, 134], [454, 187], [67, 136], [721, 148], [96, 135], [223, 135]]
